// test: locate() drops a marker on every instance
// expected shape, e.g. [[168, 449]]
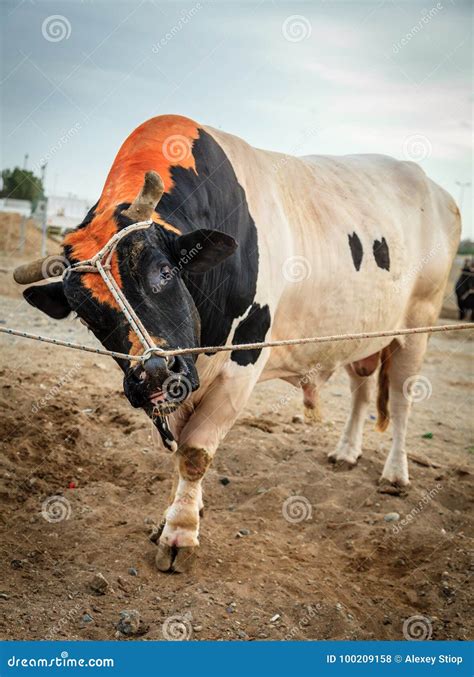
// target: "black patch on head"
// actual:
[[356, 250], [88, 217], [252, 329], [213, 198], [381, 254], [208, 198]]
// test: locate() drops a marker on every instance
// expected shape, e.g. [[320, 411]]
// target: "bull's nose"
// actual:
[[156, 368]]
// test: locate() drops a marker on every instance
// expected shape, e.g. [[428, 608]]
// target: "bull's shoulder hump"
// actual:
[[237, 148]]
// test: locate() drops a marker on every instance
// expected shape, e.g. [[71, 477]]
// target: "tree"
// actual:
[[21, 184], [466, 247]]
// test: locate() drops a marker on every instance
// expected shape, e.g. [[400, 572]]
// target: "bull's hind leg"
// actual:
[[349, 447], [312, 403], [198, 442], [406, 385]]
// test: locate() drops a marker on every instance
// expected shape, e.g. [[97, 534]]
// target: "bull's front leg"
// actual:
[[198, 442], [180, 534]]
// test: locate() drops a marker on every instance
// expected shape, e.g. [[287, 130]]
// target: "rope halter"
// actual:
[[101, 263]]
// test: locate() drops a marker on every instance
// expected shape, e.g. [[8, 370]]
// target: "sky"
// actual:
[[329, 77]]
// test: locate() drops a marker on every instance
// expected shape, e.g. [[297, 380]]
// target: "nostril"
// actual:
[[178, 365], [171, 362], [155, 367]]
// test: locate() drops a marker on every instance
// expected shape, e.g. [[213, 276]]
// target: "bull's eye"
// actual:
[[161, 277], [165, 272]]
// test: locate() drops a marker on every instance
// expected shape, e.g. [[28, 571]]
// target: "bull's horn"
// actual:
[[144, 204], [31, 272]]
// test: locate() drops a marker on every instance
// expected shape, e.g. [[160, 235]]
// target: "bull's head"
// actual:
[[149, 266]]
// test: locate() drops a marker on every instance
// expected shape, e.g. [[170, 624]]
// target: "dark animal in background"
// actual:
[[465, 291]]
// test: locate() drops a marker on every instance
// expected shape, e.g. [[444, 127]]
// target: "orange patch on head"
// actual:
[[158, 144], [136, 345]]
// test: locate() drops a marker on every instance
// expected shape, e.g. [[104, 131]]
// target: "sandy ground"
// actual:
[[72, 448]]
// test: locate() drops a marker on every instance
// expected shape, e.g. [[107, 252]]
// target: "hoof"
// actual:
[[174, 559], [395, 474], [393, 483], [312, 416], [344, 457], [342, 464]]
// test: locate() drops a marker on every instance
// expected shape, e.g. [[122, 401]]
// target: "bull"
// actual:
[[248, 245]]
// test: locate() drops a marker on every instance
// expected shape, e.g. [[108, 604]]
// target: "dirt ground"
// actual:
[[83, 480]]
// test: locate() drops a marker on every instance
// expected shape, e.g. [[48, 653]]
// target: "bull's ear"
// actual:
[[202, 249], [50, 299]]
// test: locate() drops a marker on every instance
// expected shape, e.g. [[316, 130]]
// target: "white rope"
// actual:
[[101, 263], [243, 346], [69, 344]]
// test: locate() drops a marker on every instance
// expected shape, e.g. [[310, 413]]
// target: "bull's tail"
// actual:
[[383, 415]]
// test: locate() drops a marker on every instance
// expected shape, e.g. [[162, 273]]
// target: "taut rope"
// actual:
[[241, 346]]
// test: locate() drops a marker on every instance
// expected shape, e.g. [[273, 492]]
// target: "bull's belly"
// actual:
[[361, 311]]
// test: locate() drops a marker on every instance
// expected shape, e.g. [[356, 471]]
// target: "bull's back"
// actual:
[[346, 244]]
